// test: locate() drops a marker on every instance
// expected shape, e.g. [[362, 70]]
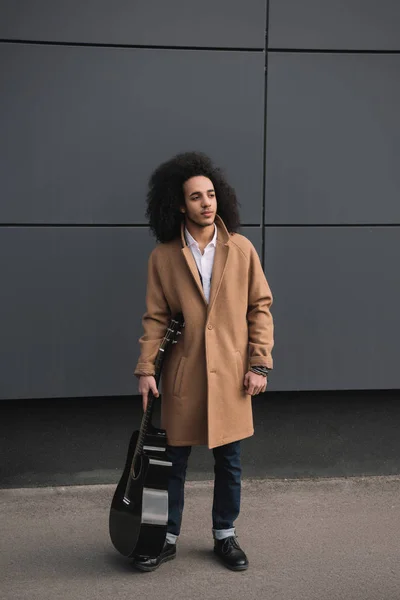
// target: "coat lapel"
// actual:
[[187, 253], [220, 260]]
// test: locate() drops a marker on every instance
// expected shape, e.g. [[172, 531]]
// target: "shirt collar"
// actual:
[[192, 242]]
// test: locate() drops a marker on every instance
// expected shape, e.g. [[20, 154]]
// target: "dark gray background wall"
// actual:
[[297, 101]]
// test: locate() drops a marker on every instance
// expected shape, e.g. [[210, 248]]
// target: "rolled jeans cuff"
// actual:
[[221, 534]]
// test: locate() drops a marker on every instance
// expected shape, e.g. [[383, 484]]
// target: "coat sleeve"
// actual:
[[155, 320], [259, 318]]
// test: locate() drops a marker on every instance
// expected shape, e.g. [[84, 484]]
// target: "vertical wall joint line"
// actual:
[[265, 136]]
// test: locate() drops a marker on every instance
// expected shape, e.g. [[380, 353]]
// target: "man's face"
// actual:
[[200, 201]]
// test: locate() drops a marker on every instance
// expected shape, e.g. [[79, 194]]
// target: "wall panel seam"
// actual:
[[333, 225], [330, 51], [265, 119], [132, 46], [92, 225]]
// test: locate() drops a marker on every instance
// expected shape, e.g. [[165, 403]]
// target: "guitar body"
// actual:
[[139, 511]]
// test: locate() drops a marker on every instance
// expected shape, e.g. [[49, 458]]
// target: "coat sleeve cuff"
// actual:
[[144, 369], [261, 361]]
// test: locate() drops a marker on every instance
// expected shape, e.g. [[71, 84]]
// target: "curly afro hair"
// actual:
[[165, 194]]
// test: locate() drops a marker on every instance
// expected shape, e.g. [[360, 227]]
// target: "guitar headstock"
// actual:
[[174, 330]]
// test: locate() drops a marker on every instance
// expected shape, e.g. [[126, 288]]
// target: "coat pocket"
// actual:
[[239, 369], [179, 377]]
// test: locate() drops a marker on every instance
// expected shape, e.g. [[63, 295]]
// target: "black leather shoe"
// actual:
[[148, 563], [231, 554]]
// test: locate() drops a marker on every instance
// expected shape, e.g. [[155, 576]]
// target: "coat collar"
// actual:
[[222, 235], [192, 242], [220, 260]]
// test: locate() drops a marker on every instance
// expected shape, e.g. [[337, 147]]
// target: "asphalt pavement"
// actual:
[[326, 539]]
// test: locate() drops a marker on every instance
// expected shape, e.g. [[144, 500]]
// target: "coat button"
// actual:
[[210, 326]]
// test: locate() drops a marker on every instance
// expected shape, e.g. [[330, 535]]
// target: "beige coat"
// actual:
[[203, 399]]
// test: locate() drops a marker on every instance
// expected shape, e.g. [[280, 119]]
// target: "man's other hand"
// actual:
[[255, 384]]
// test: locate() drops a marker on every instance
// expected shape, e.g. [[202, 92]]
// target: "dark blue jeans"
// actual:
[[227, 485]]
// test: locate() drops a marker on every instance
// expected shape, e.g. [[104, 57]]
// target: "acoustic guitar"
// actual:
[[139, 509]]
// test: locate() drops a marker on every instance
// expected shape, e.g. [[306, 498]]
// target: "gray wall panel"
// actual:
[[334, 24], [219, 23], [333, 132], [254, 234], [82, 128], [336, 309], [71, 302]]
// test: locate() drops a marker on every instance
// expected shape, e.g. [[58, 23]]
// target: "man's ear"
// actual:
[[182, 209]]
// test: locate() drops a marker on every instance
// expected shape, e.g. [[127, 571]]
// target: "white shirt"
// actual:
[[204, 261]]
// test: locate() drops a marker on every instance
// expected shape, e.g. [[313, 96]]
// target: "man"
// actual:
[[213, 275]]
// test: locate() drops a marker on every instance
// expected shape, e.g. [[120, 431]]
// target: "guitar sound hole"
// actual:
[[137, 467]]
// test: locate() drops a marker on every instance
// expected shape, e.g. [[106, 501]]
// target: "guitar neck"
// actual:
[[173, 330]]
